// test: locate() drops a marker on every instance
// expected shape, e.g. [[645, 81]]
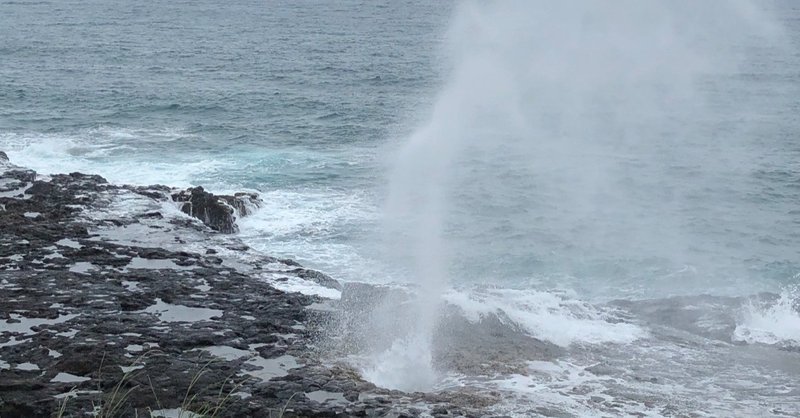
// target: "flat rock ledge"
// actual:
[[100, 314]]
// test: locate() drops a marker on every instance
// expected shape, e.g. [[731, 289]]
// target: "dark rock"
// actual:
[[3, 156], [14, 408], [41, 188], [213, 211], [98, 319], [317, 277], [290, 262], [439, 410], [237, 247], [21, 175], [244, 203], [155, 192], [23, 384], [153, 215]]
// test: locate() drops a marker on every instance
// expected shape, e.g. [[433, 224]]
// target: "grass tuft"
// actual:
[[113, 403]]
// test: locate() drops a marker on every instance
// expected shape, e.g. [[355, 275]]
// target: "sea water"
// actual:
[[619, 180]]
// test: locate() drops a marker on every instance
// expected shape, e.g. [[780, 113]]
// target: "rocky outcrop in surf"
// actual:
[[14, 177], [217, 212]]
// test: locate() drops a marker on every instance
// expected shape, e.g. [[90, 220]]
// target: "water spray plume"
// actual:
[[564, 114]]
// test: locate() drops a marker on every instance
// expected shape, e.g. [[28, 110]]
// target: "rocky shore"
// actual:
[[136, 301]]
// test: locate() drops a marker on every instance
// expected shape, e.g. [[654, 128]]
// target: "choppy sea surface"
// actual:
[[658, 244]]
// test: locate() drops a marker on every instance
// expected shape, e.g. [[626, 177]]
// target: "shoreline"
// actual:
[[95, 318], [121, 301]]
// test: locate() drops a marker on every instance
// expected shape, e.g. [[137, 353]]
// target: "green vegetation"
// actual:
[[113, 402]]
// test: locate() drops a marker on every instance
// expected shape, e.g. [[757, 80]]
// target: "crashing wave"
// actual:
[[774, 322]]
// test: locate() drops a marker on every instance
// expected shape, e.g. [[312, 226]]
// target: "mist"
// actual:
[[579, 130], [578, 145]]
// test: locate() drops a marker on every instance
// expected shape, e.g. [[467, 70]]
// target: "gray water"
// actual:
[[572, 188]]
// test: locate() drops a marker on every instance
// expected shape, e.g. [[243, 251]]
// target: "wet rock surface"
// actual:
[[110, 303], [218, 212]]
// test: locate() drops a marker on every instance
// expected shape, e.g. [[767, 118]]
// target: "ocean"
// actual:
[[620, 180]]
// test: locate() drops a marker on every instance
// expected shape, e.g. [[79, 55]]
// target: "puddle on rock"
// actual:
[[323, 396], [66, 242], [154, 264], [261, 368], [68, 378], [25, 325], [167, 312], [82, 267], [27, 367]]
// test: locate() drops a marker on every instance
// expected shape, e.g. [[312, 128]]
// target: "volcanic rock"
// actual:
[[213, 211], [96, 302]]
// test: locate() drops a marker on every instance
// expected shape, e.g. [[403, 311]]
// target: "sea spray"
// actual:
[[415, 210], [774, 322], [562, 121]]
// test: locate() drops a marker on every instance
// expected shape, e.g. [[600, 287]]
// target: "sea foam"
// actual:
[[773, 323], [557, 317]]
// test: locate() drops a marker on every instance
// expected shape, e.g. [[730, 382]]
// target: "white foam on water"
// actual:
[[773, 323], [565, 389], [308, 225], [287, 213], [556, 317], [107, 151], [656, 377], [291, 284]]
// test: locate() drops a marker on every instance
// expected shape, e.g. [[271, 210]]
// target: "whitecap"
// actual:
[[556, 317], [771, 323]]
